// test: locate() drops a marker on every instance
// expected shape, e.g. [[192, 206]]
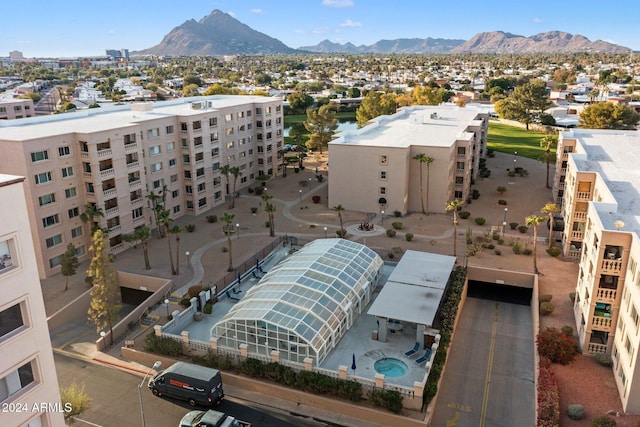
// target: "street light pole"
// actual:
[[381, 217], [188, 260], [166, 302], [505, 215], [156, 365], [325, 232], [238, 230], [300, 192]]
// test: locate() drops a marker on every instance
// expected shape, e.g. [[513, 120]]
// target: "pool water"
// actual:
[[391, 367]]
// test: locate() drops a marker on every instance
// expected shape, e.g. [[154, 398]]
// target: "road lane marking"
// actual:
[[487, 379], [451, 422]]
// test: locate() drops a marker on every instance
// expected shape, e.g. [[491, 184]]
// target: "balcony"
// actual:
[[611, 266], [87, 175], [594, 348], [580, 215], [133, 165], [107, 173], [114, 231], [84, 155], [577, 235], [583, 195], [574, 253], [110, 193], [601, 323], [607, 295], [138, 220], [137, 202], [106, 152], [131, 148], [109, 213], [134, 183]]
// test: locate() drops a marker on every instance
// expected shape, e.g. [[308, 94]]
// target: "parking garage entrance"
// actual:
[[499, 285]]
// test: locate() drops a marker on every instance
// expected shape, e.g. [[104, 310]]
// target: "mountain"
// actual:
[[552, 41], [428, 45], [216, 34]]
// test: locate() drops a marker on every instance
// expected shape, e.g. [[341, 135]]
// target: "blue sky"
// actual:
[[73, 28]]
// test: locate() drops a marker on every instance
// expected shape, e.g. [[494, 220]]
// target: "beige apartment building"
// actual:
[[372, 169], [598, 184], [29, 394], [114, 158], [11, 109]]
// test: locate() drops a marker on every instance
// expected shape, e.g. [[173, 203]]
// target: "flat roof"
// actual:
[[443, 124], [414, 289]]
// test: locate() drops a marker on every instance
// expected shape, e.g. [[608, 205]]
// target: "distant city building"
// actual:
[[377, 160], [16, 55], [118, 54], [15, 108], [29, 389], [114, 158]]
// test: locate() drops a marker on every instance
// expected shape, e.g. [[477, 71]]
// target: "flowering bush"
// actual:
[[556, 346], [548, 396]]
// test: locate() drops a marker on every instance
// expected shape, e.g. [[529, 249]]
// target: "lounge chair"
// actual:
[[232, 298], [414, 350], [253, 273], [427, 354]]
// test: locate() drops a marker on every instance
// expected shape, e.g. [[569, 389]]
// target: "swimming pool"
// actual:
[[391, 367]]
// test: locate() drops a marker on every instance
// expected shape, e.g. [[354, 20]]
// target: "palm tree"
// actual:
[[282, 154], [454, 206], [424, 160], [155, 206], [547, 157], [142, 235], [550, 208], [236, 172], [176, 230], [227, 218], [533, 221], [225, 170], [340, 209], [165, 220], [270, 209], [91, 212]]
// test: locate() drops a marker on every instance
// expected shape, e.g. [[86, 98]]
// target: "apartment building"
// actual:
[[16, 108], [377, 160], [29, 392], [115, 158], [597, 181]]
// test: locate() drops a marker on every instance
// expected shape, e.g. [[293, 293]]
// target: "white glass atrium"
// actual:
[[305, 304]]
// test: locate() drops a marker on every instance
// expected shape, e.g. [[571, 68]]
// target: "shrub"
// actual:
[[480, 220], [254, 210], [523, 229], [548, 397], [391, 255], [185, 302], [397, 214], [517, 249], [250, 190], [341, 233], [603, 421], [498, 252], [496, 236], [190, 227], [567, 330], [556, 346], [208, 308], [502, 202], [502, 189], [397, 225], [546, 308], [162, 345], [225, 249], [491, 246], [388, 399], [391, 233], [212, 218], [408, 236], [475, 194], [513, 225], [464, 214], [500, 241], [603, 359], [315, 199], [194, 291], [575, 411], [527, 251], [554, 252], [545, 298]]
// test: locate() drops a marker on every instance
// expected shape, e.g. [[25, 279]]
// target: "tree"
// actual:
[[321, 123], [69, 264], [550, 209], [532, 221], [270, 209], [339, 209], [283, 156], [454, 206], [236, 172], [353, 92], [227, 219], [104, 309], [424, 160], [165, 220], [74, 397], [526, 101], [548, 157], [142, 235], [176, 230], [299, 102], [373, 105], [604, 115], [91, 212], [226, 171], [155, 207]]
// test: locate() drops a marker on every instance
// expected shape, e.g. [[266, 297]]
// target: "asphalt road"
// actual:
[[489, 378], [116, 400]]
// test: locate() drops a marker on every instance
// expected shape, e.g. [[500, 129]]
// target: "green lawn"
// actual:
[[299, 118], [508, 139]]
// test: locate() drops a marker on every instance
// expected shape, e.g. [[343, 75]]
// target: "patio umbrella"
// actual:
[[353, 363], [239, 280]]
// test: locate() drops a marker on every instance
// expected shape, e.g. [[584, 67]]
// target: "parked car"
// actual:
[[211, 418]]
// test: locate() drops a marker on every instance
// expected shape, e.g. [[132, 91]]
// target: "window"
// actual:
[[76, 232], [202, 202], [230, 145], [176, 209], [228, 117], [217, 181], [67, 172], [383, 160], [258, 110], [197, 142], [47, 199], [43, 178], [196, 125], [217, 195], [628, 346], [267, 110], [201, 187], [249, 127], [186, 159], [383, 191], [136, 213], [187, 174], [154, 150], [39, 156], [156, 167], [213, 121], [89, 186], [174, 178], [175, 194], [64, 151], [460, 165], [55, 261], [183, 127], [11, 320], [169, 130], [240, 114], [54, 241], [153, 133], [214, 136], [215, 166], [80, 251], [215, 151], [199, 172], [16, 381], [457, 195], [50, 220], [159, 183], [190, 205], [383, 174], [188, 189], [172, 162], [171, 146], [229, 131], [73, 212]]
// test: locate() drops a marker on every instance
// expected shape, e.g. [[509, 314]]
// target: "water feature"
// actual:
[[391, 367]]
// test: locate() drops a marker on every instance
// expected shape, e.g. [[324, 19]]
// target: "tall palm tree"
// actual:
[[236, 172], [165, 220], [155, 207], [547, 157], [176, 230], [454, 206], [91, 212], [270, 209], [424, 160], [282, 153], [227, 218], [533, 221], [550, 209], [339, 209], [142, 235], [225, 170]]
